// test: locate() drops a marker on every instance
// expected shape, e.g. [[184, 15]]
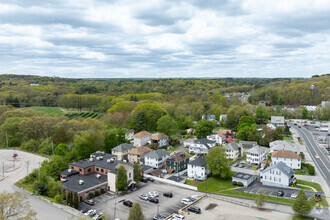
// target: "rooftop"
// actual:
[[123, 147], [176, 179], [282, 145], [244, 176], [200, 162], [89, 181], [139, 150], [282, 167], [157, 154], [178, 157], [285, 154], [233, 146], [128, 131], [142, 134], [256, 150], [204, 141], [267, 161], [159, 136]]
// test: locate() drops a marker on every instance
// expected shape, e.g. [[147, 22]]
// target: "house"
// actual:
[[282, 145], [136, 155], [157, 173], [159, 140], [121, 151], [223, 118], [256, 154], [178, 162], [188, 142], [233, 150], [291, 159], [216, 138], [129, 134], [247, 145], [112, 176], [156, 158], [93, 174], [264, 163], [278, 121], [201, 146], [244, 178], [278, 175], [198, 168], [264, 103], [142, 138], [325, 103], [209, 117]]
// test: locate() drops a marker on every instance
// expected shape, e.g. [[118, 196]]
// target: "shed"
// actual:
[[244, 178]]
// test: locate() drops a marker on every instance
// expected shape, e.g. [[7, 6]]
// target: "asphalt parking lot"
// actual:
[[272, 191], [106, 203]]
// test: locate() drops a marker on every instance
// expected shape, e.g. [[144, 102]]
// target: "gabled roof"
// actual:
[[159, 136], [282, 167], [123, 147], [204, 141], [139, 150], [128, 131], [178, 157], [200, 162], [267, 161], [142, 134], [277, 119], [157, 154], [285, 154], [282, 145], [232, 146], [256, 150]]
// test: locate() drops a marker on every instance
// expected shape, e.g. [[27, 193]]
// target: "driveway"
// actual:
[[107, 203]]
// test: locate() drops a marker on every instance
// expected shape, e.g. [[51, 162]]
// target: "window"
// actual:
[[79, 169], [97, 169], [270, 178], [72, 167], [129, 175], [274, 178], [89, 170], [279, 179], [101, 170], [265, 177]]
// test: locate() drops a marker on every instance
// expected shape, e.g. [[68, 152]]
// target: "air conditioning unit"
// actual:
[[81, 182], [92, 156], [100, 157], [98, 176], [97, 158], [112, 160], [69, 170], [108, 160], [91, 159]]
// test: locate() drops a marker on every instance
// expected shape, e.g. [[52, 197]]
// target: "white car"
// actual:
[[177, 217], [90, 212], [293, 196], [153, 194], [186, 201], [98, 216], [195, 196], [144, 196], [317, 156]]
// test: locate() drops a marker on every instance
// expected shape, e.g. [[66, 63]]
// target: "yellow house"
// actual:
[[135, 155], [121, 151]]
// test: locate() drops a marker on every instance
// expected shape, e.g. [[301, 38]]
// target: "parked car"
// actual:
[[150, 179], [98, 216], [168, 194], [153, 194], [195, 196], [144, 196], [90, 212], [236, 164], [144, 180], [192, 199], [185, 201], [293, 196], [194, 209], [153, 200], [84, 210], [128, 203], [280, 193], [159, 217], [177, 217], [90, 202], [201, 178], [241, 165]]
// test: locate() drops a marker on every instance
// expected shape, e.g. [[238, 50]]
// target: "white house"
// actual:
[[223, 118], [197, 168], [129, 134], [233, 150], [256, 154], [288, 157], [277, 120], [142, 138], [156, 158], [201, 146], [282, 145], [209, 117], [112, 176], [244, 178], [278, 175], [217, 138], [159, 140]]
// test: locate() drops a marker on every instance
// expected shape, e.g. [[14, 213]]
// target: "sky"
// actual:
[[161, 39]]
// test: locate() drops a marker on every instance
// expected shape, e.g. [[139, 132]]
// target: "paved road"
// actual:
[[313, 148]]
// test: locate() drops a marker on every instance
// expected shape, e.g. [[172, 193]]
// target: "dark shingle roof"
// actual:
[[282, 167], [244, 176], [157, 154], [90, 180], [72, 172], [200, 162], [204, 141], [123, 147], [176, 178]]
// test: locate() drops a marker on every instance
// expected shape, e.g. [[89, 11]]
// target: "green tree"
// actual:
[[184, 122], [218, 163], [304, 113], [260, 199], [139, 120], [167, 125], [60, 136], [137, 172], [110, 141], [15, 205], [233, 116], [287, 130], [301, 206], [75, 201], [262, 113], [69, 199], [40, 188], [135, 213], [245, 121], [121, 181], [204, 128], [61, 150]]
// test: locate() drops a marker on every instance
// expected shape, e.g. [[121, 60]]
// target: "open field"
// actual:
[[49, 110]]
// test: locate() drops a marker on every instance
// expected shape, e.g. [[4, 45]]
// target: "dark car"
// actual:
[[144, 180], [153, 200], [84, 210], [192, 199], [280, 193], [128, 203], [299, 126], [150, 179], [159, 217], [168, 194], [90, 202], [194, 209]]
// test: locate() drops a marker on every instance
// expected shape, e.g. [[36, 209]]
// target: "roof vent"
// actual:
[[69, 170], [92, 156], [91, 159], [100, 157], [98, 176], [108, 160], [97, 158], [81, 182]]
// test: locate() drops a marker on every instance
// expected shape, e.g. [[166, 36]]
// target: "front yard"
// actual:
[[314, 185], [303, 170], [215, 184]]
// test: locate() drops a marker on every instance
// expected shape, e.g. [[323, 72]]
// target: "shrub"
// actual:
[[240, 184], [234, 183], [97, 192], [58, 198], [91, 195], [311, 170], [40, 188], [102, 190]]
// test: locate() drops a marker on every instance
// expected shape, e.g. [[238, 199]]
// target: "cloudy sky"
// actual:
[[157, 38]]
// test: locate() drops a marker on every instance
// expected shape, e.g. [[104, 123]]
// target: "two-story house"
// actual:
[[278, 175], [121, 151], [201, 146], [136, 155], [278, 121], [233, 150], [256, 154], [159, 140], [282, 145], [288, 157], [142, 138], [129, 134], [218, 139], [198, 168], [178, 162], [156, 158]]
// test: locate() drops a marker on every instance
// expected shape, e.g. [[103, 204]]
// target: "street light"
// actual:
[[312, 88], [157, 209]]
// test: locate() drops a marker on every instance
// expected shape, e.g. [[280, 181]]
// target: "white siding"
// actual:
[[290, 162]]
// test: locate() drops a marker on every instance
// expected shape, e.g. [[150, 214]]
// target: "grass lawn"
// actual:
[[192, 182], [314, 185], [322, 204], [49, 110], [237, 160], [254, 167], [215, 184], [302, 171], [301, 218], [172, 149], [287, 138], [304, 187]]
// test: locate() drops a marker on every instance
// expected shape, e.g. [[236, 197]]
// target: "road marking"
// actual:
[[315, 151]]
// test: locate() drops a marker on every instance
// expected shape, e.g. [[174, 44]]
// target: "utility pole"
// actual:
[[114, 213], [27, 167], [157, 209], [7, 139]]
